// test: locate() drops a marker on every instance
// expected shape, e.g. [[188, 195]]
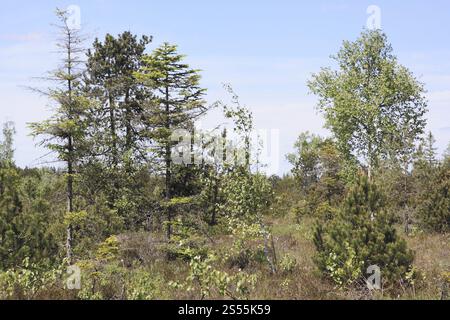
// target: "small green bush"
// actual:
[[361, 235], [288, 264]]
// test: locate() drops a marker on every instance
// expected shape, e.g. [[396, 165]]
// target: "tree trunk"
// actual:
[[112, 120], [69, 237], [70, 150], [370, 162], [214, 200], [405, 204], [69, 240], [128, 116], [168, 156], [168, 195]]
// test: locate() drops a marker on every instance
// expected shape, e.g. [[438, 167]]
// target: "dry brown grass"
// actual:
[[303, 281], [432, 259], [141, 251]]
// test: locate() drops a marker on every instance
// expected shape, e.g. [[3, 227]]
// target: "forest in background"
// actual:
[[135, 222]]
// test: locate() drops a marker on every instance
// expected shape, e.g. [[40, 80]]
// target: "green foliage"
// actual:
[[111, 280], [186, 241], [248, 242], [176, 102], [300, 210], [108, 249], [112, 127], [245, 195], [117, 163], [344, 268], [288, 264], [177, 98], [101, 282], [30, 281], [204, 276], [321, 171], [25, 215], [430, 182], [110, 79], [208, 281], [6, 146], [433, 208], [75, 218], [65, 131], [144, 285], [306, 162], [372, 104], [285, 195], [426, 151], [326, 212], [361, 235]]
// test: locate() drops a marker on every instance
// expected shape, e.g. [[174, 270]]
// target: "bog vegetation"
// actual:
[[139, 225]]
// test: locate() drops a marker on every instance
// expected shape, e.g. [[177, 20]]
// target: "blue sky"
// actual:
[[265, 49]]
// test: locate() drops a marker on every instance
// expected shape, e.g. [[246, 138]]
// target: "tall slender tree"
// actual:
[[64, 132], [176, 104]]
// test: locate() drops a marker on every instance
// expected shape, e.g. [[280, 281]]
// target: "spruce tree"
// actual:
[[433, 203], [430, 149], [64, 133], [431, 187], [176, 103]]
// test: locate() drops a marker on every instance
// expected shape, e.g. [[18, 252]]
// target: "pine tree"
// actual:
[[177, 102], [119, 132], [362, 235], [110, 78]]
